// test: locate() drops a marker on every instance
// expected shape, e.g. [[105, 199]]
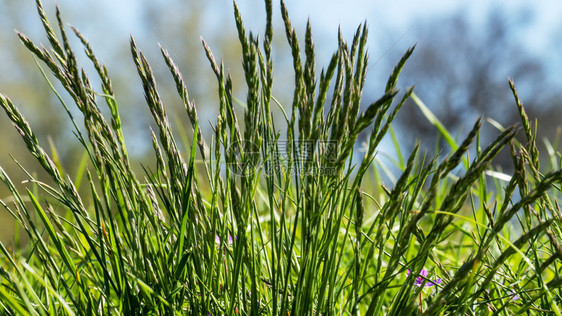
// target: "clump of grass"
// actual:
[[287, 226]]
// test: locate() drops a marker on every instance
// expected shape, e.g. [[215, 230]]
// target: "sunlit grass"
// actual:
[[250, 222]]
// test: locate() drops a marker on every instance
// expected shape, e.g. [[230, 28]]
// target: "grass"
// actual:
[[268, 225]]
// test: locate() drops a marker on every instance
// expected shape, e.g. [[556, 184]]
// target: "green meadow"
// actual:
[[278, 209]]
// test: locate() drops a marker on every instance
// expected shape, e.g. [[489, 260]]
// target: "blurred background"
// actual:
[[466, 51]]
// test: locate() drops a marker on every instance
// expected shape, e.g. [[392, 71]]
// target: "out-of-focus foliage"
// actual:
[[462, 68]]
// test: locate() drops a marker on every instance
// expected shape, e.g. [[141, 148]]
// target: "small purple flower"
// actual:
[[511, 292], [514, 296], [421, 280], [230, 240]]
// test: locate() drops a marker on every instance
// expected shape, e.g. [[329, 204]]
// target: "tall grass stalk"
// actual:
[[273, 226]]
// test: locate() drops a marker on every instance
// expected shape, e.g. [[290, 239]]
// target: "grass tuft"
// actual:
[[299, 226]]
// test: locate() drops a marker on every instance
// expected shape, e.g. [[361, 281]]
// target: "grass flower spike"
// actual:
[[325, 227]]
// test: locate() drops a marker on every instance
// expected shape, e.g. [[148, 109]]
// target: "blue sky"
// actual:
[[108, 25], [399, 18], [398, 15], [395, 20], [389, 21], [325, 15]]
